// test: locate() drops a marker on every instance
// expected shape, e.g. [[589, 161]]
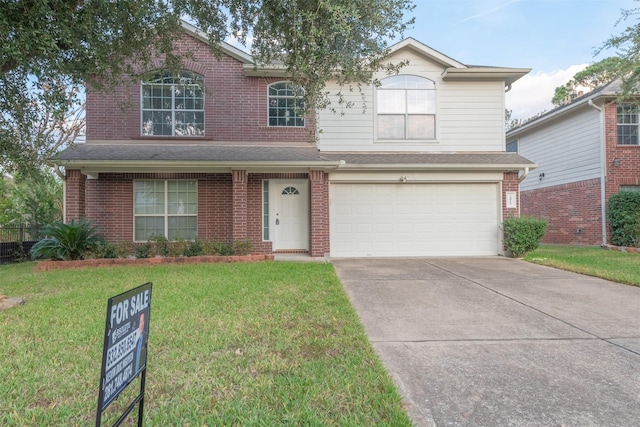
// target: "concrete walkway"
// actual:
[[500, 342]]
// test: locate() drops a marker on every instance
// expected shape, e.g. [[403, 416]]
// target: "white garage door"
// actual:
[[413, 219]]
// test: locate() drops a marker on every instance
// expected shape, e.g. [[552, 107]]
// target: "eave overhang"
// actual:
[[148, 158], [89, 167], [508, 75], [438, 167]]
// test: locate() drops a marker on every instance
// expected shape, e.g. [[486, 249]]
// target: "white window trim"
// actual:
[[173, 111], [166, 215], [637, 125], [265, 224], [304, 119], [406, 142]]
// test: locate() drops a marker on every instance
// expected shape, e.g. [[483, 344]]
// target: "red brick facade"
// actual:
[[510, 184], [75, 200], [229, 205], [626, 170], [235, 104], [572, 210]]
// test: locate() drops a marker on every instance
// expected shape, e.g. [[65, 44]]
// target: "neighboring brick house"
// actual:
[[586, 151], [219, 152]]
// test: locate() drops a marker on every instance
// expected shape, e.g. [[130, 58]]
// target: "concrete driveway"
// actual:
[[500, 342]]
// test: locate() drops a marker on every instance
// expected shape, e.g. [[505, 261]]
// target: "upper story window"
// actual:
[[286, 106], [627, 124], [406, 108], [173, 105], [512, 147]]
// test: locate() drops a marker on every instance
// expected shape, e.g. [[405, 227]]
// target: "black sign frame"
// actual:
[[124, 353]]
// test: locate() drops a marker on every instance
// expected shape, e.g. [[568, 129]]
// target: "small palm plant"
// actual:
[[67, 241]]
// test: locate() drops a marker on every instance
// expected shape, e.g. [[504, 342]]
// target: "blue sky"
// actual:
[[555, 38]]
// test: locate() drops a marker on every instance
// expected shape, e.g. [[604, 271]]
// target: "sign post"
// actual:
[[124, 355]]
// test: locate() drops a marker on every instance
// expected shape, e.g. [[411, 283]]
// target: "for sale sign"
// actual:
[[124, 353]]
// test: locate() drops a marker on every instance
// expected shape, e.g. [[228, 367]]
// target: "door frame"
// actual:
[[276, 187]]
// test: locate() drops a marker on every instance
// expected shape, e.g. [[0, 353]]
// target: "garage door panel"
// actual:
[[414, 219]]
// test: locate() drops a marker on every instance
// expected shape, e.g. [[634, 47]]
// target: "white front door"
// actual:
[[289, 214]]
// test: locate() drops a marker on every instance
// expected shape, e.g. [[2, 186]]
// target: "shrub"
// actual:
[[159, 245], [523, 235], [67, 241], [623, 213], [242, 247], [193, 249], [144, 250], [105, 249]]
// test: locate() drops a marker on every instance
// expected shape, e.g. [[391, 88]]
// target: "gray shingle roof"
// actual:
[[227, 154]]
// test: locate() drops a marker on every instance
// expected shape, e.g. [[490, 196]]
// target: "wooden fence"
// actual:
[[16, 241]]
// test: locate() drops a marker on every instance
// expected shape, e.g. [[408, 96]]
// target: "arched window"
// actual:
[[286, 105], [173, 104], [290, 191], [406, 108]]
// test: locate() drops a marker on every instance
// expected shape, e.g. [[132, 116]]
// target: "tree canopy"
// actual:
[[594, 75], [627, 47], [625, 65], [58, 44]]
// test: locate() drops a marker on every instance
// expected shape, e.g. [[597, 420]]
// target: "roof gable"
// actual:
[[426, 51], [226, 48]]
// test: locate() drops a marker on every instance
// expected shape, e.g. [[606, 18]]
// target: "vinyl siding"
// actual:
[[469, 115], [566, 150]]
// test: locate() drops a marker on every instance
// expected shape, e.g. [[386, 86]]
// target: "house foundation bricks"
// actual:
[[319, 214], [75, 194], [573, 211]]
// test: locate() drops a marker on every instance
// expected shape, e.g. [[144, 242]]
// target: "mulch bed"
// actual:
[[105, 262]]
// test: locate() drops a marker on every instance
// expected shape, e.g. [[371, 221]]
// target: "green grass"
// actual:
[[229, 344], [622, 267]]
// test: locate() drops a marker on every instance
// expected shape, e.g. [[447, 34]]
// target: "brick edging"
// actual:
[[621, 248], [103, 262]]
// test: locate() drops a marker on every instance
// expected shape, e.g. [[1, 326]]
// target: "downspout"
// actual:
[[524, 175], [603, 174]]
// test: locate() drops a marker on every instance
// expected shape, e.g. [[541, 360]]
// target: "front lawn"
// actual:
[[268, 343], [622, 267]]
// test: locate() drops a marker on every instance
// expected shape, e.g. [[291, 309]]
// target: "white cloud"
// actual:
[[532, 93]]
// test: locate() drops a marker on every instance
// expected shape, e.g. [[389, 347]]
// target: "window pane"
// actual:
[[182, 227], [391, 101], [391, 127], [149, 197], [173, 105], [421, 102], [286, 107], [406, 82], [421, 127], [147, 226], [182, 198]]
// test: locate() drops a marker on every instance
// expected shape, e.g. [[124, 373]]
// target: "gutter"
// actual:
[[97, 166], [435, 166], [603, 174]]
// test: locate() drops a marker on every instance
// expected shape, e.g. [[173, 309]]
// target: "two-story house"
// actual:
[[220, 151], [586, 151]]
